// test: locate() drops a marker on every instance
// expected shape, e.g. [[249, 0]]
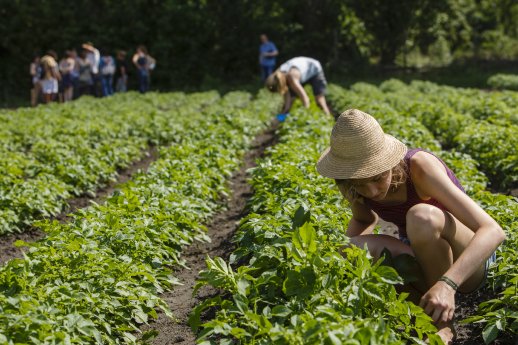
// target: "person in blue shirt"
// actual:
[[267, 53]]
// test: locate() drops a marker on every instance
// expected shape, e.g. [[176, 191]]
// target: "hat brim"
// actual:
[[332, 166]]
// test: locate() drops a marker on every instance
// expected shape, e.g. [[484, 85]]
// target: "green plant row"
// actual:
[[471, 121], [48, 154], [95, 279], [503, 81], [291, 285]]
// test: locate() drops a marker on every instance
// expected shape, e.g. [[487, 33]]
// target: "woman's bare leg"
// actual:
[[438, 239], [376, 244], [321, 101]]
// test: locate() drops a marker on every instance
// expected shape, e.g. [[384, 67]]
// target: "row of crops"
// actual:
[[98, 277], [286, 283]]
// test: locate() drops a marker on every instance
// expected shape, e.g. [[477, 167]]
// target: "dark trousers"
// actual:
[[143, 81], [266, 71], [107, 82]]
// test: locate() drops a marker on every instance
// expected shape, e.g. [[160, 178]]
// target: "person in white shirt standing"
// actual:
[[94, 58], [289, 80]]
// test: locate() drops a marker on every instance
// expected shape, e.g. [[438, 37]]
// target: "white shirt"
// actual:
[[307, 67], [94, 58]]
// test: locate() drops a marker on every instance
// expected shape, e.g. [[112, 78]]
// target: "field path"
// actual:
[[7, 249], [224, 224]]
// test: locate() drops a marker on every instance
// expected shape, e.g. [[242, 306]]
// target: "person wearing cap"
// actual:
[[289, 80], [451, 237]]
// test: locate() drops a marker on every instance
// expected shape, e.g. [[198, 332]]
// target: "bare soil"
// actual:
[[8, 250]]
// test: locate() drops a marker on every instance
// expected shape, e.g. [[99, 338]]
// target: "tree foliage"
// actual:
[[196, 41]]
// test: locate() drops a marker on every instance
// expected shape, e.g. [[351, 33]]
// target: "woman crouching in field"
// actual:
[[451, 237]]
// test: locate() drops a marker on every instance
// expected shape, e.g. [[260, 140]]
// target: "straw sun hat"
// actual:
[[359, 148]]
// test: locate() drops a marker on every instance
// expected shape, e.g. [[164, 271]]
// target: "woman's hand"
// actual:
[[439, 302]]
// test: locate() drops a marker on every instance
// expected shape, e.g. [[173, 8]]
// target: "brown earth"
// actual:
[[8, 250]]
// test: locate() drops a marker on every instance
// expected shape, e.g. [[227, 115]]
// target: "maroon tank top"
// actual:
[[397, 213]]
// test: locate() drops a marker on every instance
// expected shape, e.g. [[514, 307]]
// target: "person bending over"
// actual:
[[289, 80]]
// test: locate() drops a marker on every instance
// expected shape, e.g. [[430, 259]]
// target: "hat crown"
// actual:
[[356, 134]]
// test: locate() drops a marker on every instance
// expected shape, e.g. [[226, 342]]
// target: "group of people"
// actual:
[[86, 73], [453, 240]]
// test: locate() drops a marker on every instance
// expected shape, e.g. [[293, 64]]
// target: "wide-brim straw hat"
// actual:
[[359, 148]]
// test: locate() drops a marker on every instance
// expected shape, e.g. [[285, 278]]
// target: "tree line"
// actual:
[[201, 41]]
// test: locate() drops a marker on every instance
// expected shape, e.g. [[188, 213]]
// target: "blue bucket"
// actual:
[[281, 117]]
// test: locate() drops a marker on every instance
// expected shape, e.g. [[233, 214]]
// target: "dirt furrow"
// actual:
[[224, 224]]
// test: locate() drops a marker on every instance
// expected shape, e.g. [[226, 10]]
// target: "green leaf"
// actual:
[[301, 217], [408, 268], [299, 284], [242, 286], [241, 303], [304, 238], [388, 275], [195, 318], [280, 310], [149, 335], [489, 333]]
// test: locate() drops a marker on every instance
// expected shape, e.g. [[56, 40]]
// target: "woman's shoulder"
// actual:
[[423, 163]]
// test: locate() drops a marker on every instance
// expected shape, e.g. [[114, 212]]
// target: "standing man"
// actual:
[[267, 53], [94, 58]]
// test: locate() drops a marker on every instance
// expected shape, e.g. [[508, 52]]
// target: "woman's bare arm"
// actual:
[[363, 220], [288, 101], [430, 178], [293, 79]]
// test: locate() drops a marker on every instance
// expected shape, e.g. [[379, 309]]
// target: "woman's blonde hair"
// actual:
[[399, 176], [276, 82]]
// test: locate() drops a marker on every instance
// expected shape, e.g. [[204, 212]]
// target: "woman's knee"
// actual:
[[424, 222]]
